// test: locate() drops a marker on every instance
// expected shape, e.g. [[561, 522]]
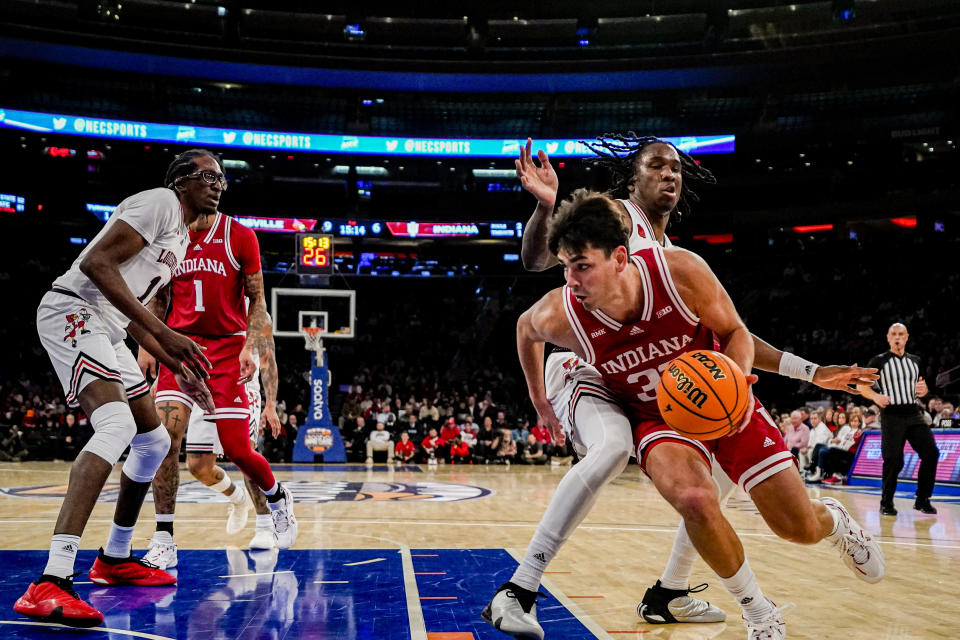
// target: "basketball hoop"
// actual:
[[313, 338]]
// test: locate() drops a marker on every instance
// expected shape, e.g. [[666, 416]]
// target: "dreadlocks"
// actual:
[[185, 164], [618, 154]]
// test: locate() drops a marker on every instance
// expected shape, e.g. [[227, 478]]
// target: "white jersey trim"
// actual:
[[213, 229], [638, 217], [647, 281], [762, 470], [578, 329], [606, 320], [685, 312], [228, 247], [177, 396]]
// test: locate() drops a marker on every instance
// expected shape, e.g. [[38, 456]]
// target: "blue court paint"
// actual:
[[334, 468], [362, 602], [472, 575]]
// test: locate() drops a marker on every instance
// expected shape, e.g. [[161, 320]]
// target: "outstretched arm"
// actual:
[[543, 183], [836, 377]]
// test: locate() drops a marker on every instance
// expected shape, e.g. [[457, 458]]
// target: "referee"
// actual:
[[900, 385]]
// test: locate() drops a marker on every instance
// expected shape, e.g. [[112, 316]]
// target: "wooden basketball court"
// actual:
[[415, 553]]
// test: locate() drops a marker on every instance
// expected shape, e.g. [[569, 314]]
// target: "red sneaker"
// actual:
[[52, 599], [135, 571]]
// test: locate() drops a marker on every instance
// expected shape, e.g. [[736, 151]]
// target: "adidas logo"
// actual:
[[767, 442], [237, 399], [539, 556], [196, 247], [69, 548], [598, 333], [636, 331]]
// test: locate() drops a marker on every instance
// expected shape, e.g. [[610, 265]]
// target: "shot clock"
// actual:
[[315, 253]]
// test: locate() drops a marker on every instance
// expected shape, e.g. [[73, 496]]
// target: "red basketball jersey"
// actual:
[[208, 289], [631, 356]]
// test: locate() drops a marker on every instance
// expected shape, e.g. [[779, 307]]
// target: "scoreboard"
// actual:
[[315, 253]]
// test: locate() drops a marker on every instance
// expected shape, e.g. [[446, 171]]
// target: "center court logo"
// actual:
[[304, 492]]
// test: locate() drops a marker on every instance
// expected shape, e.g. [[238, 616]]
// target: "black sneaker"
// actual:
[[924, 506], [887, 510], [663, 606]]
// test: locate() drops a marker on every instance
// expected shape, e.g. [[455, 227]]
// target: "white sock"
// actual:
[[676, 575], [835, 533], [118, 544], [744, 588], [163, 537], [606, 433], [264, 521], [272, 490], [63, 555]]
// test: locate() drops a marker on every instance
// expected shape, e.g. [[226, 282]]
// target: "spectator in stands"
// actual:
[[533, 452], [840, 418], [450, 430], [507, 451], [521, 431], [429, 414], [432, 446], [835, 460], [947, 416], [12, 448], [354, 439], [380, 440], [797, 438], [542, 434], [386, 415], [349, 413], [412, 427], [291, 428], [871, 418], [405, 449], [819, 437], [488, 442], [68, 438], [459, 452], [828, 419]]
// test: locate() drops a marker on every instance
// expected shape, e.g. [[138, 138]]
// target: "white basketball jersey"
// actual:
[[641, 231], [156, 215]]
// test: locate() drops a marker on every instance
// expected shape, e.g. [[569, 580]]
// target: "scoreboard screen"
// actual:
[[315, 253]]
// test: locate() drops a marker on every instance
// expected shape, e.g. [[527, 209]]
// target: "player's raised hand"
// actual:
[[197, 389], [270, 417], [540, 181], [751, 405], [248, 366], [183, 354], [149, 366], [844, 378]]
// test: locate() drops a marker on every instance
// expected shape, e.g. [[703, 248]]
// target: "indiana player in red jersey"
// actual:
[[650, 177], [629, 316], [208, 293]]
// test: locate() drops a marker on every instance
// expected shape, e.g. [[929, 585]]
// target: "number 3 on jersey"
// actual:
[[198, 289], [648, 392]]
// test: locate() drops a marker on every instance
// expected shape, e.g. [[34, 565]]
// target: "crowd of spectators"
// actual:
[[824, 438]]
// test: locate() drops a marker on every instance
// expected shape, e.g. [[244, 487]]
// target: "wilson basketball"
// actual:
[[702, 395]]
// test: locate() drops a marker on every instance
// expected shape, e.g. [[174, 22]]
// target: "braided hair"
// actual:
[[619, 153], [185, 164]]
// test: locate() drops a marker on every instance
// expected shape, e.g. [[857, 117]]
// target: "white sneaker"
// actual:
[[238, 512], [859, 551], [770, 628], [162, 551], [505, 613], [284, 522], [263, 539], [816, 476]]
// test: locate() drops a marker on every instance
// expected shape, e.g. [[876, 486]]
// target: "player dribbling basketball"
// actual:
[[655, 306]]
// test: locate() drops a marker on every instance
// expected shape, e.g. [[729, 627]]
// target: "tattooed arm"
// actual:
[[260, 341]]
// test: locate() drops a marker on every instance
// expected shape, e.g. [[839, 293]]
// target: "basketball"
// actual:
[[703, 395]]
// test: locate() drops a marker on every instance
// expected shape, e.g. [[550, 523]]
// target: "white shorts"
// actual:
[[84, 348], [202, 434]]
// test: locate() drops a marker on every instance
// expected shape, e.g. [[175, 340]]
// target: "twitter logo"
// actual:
[[392, 145], [229, 136], [552, 147], [59, 123]]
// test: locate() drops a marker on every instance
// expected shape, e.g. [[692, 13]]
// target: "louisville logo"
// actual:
[[76, 325], [304, 491]]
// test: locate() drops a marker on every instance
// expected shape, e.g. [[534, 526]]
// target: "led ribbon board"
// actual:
[[317, 142]]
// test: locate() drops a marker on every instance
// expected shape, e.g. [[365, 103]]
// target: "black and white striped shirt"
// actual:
[[898, 376]]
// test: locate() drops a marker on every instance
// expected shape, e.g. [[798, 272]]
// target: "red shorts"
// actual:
[[748, 458], [229, 396]]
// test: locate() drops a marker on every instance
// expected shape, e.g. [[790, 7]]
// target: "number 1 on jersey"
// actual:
[[198, 287]]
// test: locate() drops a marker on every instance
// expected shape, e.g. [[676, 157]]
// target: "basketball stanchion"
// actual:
[[318, 438]]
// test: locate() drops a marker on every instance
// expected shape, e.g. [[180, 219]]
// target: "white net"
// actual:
[[313, 337]]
